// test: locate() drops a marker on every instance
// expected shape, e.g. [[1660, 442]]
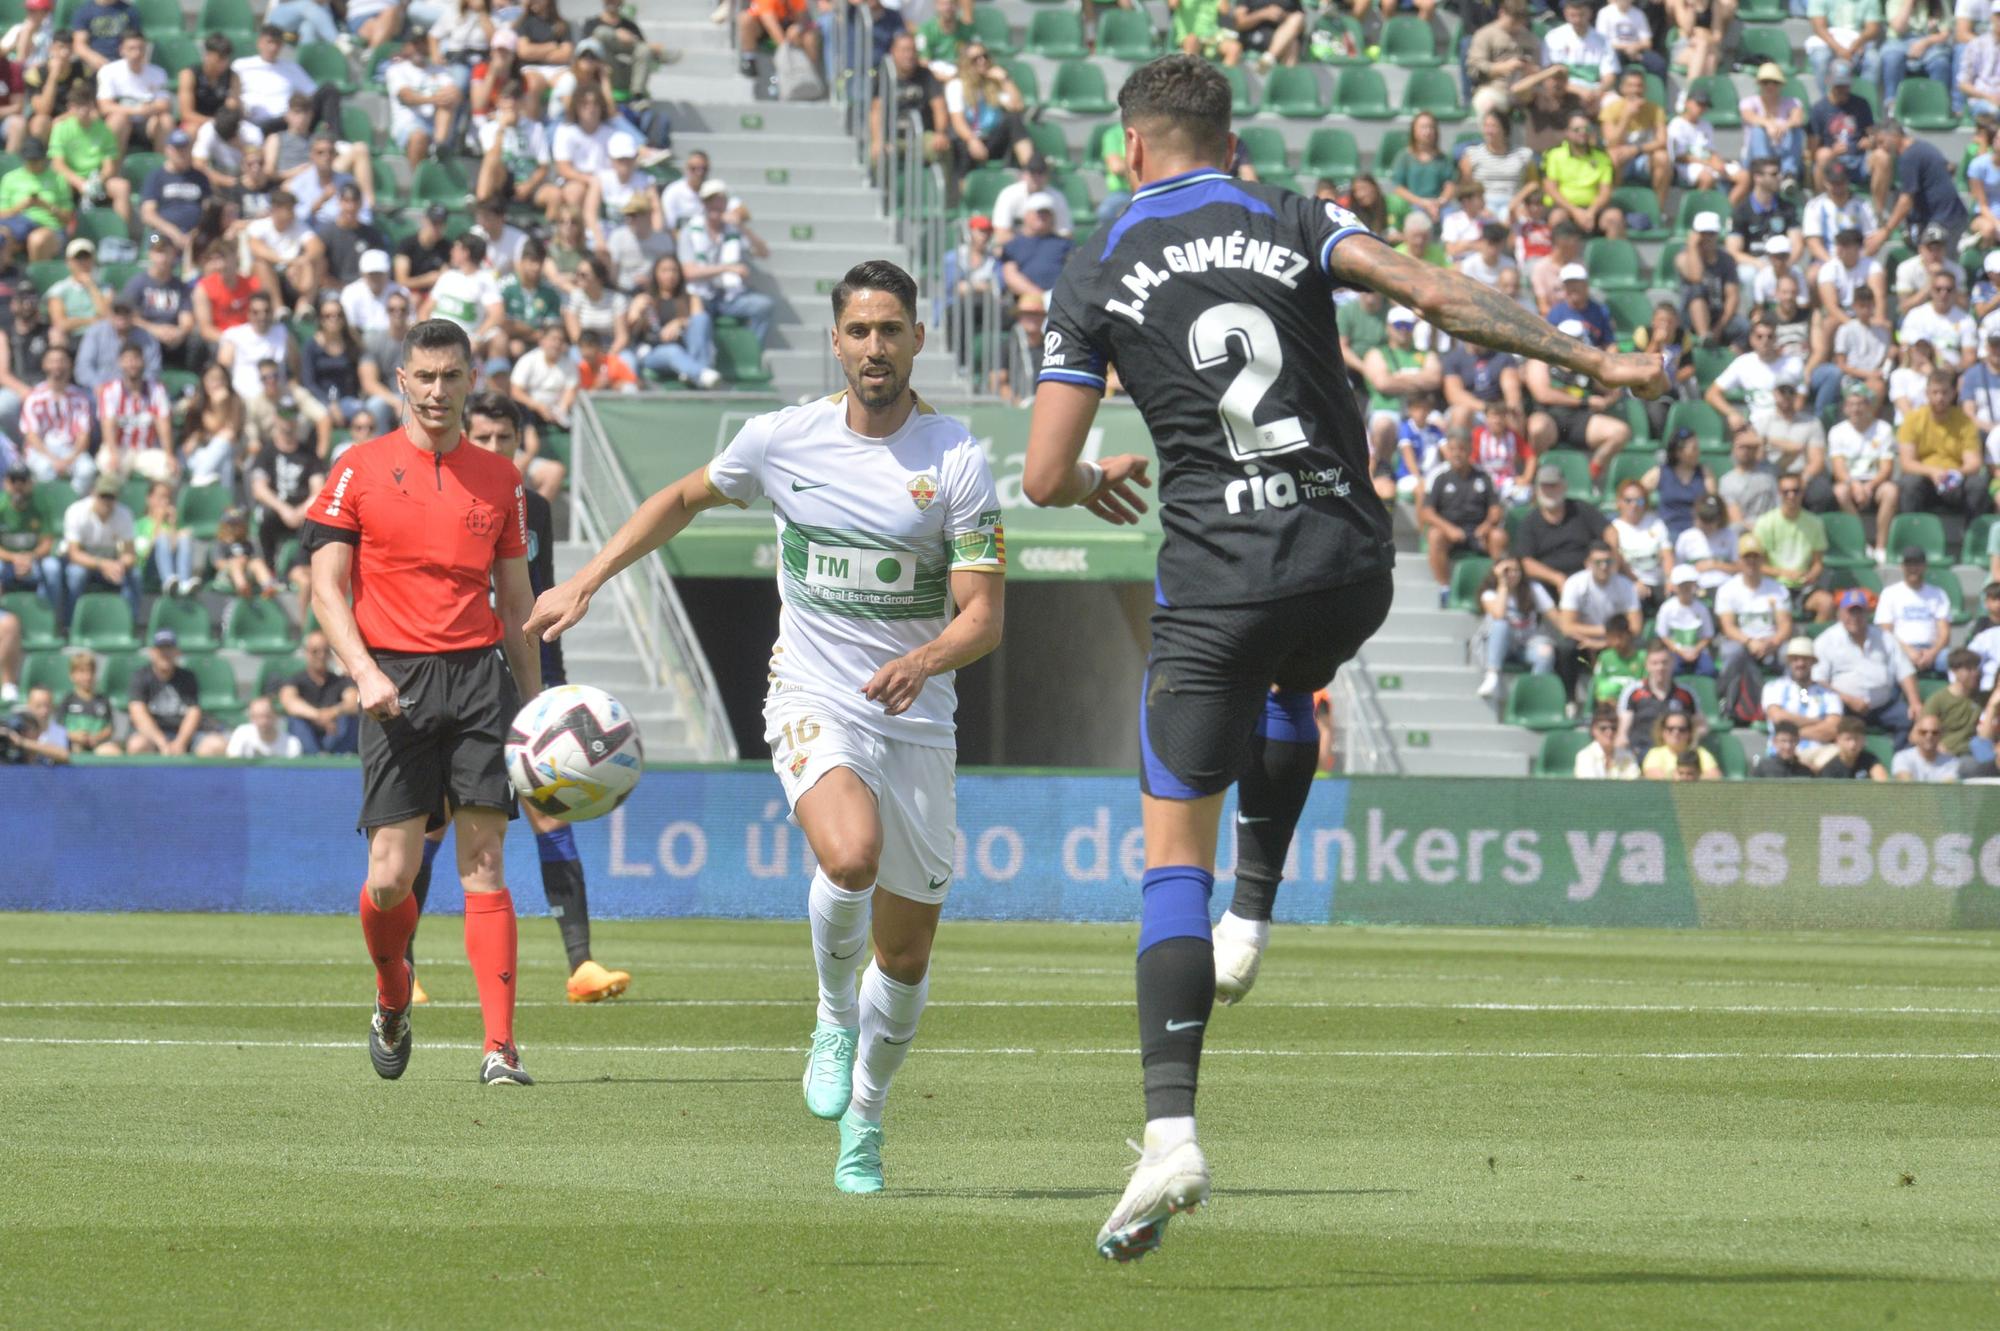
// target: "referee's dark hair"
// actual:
[[1179, 97], [876, 275], [494, 407], [437, 335]]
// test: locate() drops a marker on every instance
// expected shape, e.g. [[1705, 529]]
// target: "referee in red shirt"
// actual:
[[406, 538]]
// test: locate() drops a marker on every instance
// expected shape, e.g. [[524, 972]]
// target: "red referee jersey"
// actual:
[[430, 527]]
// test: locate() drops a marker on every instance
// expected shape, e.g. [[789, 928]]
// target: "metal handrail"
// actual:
[[1361, 731], [602, 498]]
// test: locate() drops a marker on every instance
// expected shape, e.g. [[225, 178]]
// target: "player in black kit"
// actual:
[[493, 423], [1214, 300]]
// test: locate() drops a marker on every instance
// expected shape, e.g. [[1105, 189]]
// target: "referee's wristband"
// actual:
[[1094, 477]]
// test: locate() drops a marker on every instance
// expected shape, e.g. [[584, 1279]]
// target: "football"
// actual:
[[573, 753]]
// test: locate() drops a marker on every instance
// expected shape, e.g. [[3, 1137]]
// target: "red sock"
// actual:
[[388, 933], [491, 945]]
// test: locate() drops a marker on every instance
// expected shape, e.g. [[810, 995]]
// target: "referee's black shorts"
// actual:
[[449, 744], [1211, 668]]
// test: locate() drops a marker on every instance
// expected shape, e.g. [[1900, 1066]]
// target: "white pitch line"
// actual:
[[1010, 1051], [1327, 1005]]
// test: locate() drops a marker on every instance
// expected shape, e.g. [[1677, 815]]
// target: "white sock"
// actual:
[[839, 932], [1255, 932], [1164, 1134], [889, 1012]]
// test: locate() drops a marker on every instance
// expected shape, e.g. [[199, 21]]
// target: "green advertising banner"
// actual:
[[659, 439], [1737, 855]]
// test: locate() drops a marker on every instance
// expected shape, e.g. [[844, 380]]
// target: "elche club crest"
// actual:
[[922, 491]]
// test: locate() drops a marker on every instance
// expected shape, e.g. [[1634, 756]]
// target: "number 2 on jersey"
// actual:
[[1252, 331]]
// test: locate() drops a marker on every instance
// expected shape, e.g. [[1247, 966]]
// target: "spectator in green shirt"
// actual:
[[1580, 178], [1423, 176], [939, 37], [528, 300], [26, 541], [36, 204], [78, 300], [84, 151], [1620, 662], [1198, 30]]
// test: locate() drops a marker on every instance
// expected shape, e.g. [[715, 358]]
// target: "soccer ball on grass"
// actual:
[[573, 753]]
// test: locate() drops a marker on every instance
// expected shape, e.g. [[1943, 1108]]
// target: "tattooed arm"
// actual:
[[1467, 309]]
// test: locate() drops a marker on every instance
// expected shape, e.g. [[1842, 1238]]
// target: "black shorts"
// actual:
[[1211, 668], [553, 670], [448, 744], [1572, 425]]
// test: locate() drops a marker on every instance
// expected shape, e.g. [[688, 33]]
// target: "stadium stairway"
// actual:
[[600, 652], [797, 171]]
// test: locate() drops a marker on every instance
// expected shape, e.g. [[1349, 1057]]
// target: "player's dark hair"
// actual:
[[219, 43], [494, 407], [876, 275], [531, 248], [1179, 97], [1850, 725], [1962, 658], [1785, 728], [438, 335]]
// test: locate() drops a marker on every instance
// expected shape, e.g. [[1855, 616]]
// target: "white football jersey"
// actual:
[[869, 532]]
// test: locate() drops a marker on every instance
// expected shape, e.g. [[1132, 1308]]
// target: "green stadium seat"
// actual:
[[45, 273], [1025, 79], [1537, 702], [327, 64], [226, 14], [1466, 575], [1925, 104], [1347, 33], [39, 630], [189, 621], [1700, 201], [1264, 146], [1728, 752], [1435, 91], [177, 383], [1630, 310], [1638, 201], [1703, 689], [102, 224], [437, 182], [1408, 41], [1361, 94], [990, 23], [1079, 89], [65, 12], [1704, 420], [258, 627], [217, 679], [1709, 362], [1057, 34], [1757, 45], [1627, 466], [274, 671], [738, 357], [13, 11], [1642, 428], [102, 622], [201, 507], [1846, 541], [1559, 750], [357, 126], [1946, 581], [1868, 578], [1242, 101], [1387, 149], [52, 501], [174, 51], [1576, 468], [1763, 11], [981, 189], [1724, 100], [1930, 684], [1127, 34], [1614, 265], [1919, 529], [1050, 143], [46, 670], [1074, 186], [1978, 533], [1331, 153], [1882, 746], [114, 675], [138, 166]]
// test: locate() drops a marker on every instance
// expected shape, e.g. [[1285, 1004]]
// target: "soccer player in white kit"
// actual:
[[887, 519]]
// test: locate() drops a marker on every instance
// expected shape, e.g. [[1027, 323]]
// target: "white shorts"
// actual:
[[915, 788]]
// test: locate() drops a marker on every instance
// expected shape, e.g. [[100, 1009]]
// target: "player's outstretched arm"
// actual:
[[1486, 316], [657, 521], [974, 631], [1053, 477]]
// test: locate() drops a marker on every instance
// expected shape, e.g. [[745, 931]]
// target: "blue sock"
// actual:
[[562, 887], [557, 845], [1175, 904]]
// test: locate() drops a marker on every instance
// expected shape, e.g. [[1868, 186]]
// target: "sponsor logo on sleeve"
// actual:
[[339, 492]]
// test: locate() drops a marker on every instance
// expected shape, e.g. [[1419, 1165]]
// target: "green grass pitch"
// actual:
[[1408, 1128]]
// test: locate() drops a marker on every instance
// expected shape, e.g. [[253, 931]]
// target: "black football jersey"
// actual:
[[1210, 295], [541, 542]]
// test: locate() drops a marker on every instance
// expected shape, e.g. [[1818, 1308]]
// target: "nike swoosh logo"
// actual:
[[1184, 1025], [816, 485], [905, 1040], [839, 957], [1246, 821], [937, 883]]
